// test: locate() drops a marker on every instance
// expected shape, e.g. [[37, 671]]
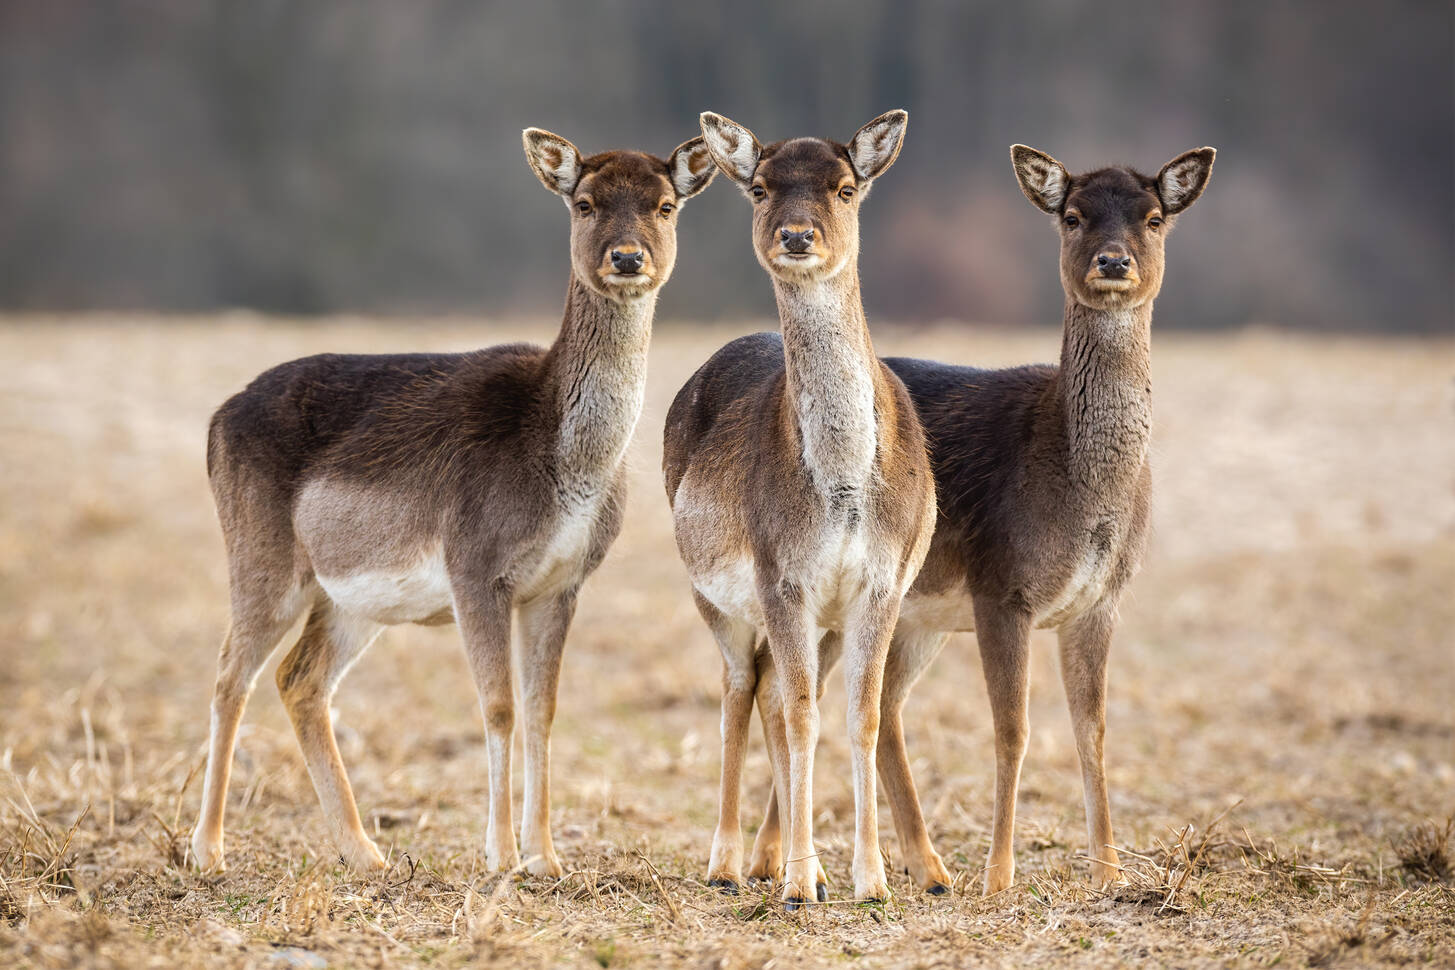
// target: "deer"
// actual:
[[1044, 494], [476, 488], [801, 493]]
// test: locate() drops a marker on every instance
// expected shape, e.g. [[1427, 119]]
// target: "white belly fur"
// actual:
[[408, 594]]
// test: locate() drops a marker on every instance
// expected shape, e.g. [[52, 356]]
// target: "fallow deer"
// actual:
[[1044, 492], [368, 491], [801, 493]]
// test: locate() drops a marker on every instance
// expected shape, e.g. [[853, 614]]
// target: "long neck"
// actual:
[[597, 373], [831, 367], [1106, 386]]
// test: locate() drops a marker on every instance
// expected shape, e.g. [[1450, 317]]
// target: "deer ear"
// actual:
[[1182, 180], [875, 146], [734, 148], [692, 167], [1041, 177], [555, 161]]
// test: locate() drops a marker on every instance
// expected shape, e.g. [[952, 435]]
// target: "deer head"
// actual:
[[806, 191], [623, 208], [1113, 221]]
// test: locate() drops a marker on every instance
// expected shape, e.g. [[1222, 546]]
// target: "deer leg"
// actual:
[[1085, 644], [795, 660], [257, 626], [307, 678], [543, 626], [767, 860], [735, 640], [866, 645], [1004, 636], [908, 656], [483, 612]]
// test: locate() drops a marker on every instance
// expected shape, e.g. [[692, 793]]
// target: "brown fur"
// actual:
[[426, 488], [1044, 494], [800, 489]]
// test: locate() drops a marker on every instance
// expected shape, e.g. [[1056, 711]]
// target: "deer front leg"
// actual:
[[735, 640], [1085, 643], [543, 626], [767, 858], [795, 660], [483, 612], [866, 644], [909, 655], [1004, 636]]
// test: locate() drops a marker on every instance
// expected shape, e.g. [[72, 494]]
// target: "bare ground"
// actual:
[[1281, 740]]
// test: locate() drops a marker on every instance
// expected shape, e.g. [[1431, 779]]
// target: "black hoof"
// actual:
[[873, 901], [793, 902], [726, 885], [823, 893], [938, 889]]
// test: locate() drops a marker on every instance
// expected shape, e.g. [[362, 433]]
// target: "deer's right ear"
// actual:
[[734, 148], [1041, 177], [555, 160], [692, 167]]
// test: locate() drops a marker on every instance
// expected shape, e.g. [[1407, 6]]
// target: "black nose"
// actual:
[[1113, 266], [796, 241], [627, 263]]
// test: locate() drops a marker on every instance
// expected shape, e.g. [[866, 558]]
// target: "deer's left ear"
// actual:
[[1182, 180], [875, 146], [691, 167]]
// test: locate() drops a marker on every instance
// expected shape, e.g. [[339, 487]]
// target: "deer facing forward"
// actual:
[[801, 494], [366, 491]]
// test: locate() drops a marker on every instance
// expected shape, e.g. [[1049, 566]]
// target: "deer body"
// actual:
[[801, 495], [1044, 495], [476, 488]]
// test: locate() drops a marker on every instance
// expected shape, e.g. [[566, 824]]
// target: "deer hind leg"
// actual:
[[735, 640], [1004, 636], [1085, 643], [484, 616], [259, 620], [543, 626], [767, 859], [909, 655], [307, 678]]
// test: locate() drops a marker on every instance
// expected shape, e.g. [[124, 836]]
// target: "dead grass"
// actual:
[[1280, 735]]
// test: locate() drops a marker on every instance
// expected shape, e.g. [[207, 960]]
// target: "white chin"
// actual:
[[799, 263], [627, 286]]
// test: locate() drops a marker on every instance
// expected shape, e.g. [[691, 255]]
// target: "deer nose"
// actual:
[[796, 240], [1113, 266], [627, 262]]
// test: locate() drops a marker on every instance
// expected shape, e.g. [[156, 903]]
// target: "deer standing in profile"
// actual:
[[367, 491], [801, 494], [1044, 493]]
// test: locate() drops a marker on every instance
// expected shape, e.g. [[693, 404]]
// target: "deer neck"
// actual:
[[1106, 387], [596, 373], [831, 365]]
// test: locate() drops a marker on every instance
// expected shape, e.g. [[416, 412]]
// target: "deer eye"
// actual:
[[583, 207], [846, 193], [1154, 223], [666, 209], [758, 192], [1070, 222]]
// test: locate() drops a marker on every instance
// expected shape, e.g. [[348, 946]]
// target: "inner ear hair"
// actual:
[[1042, 179]]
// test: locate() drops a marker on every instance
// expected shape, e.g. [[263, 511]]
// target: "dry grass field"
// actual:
[[1281, 739]]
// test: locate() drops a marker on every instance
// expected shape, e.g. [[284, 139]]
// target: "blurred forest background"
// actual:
[[364, 155]]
